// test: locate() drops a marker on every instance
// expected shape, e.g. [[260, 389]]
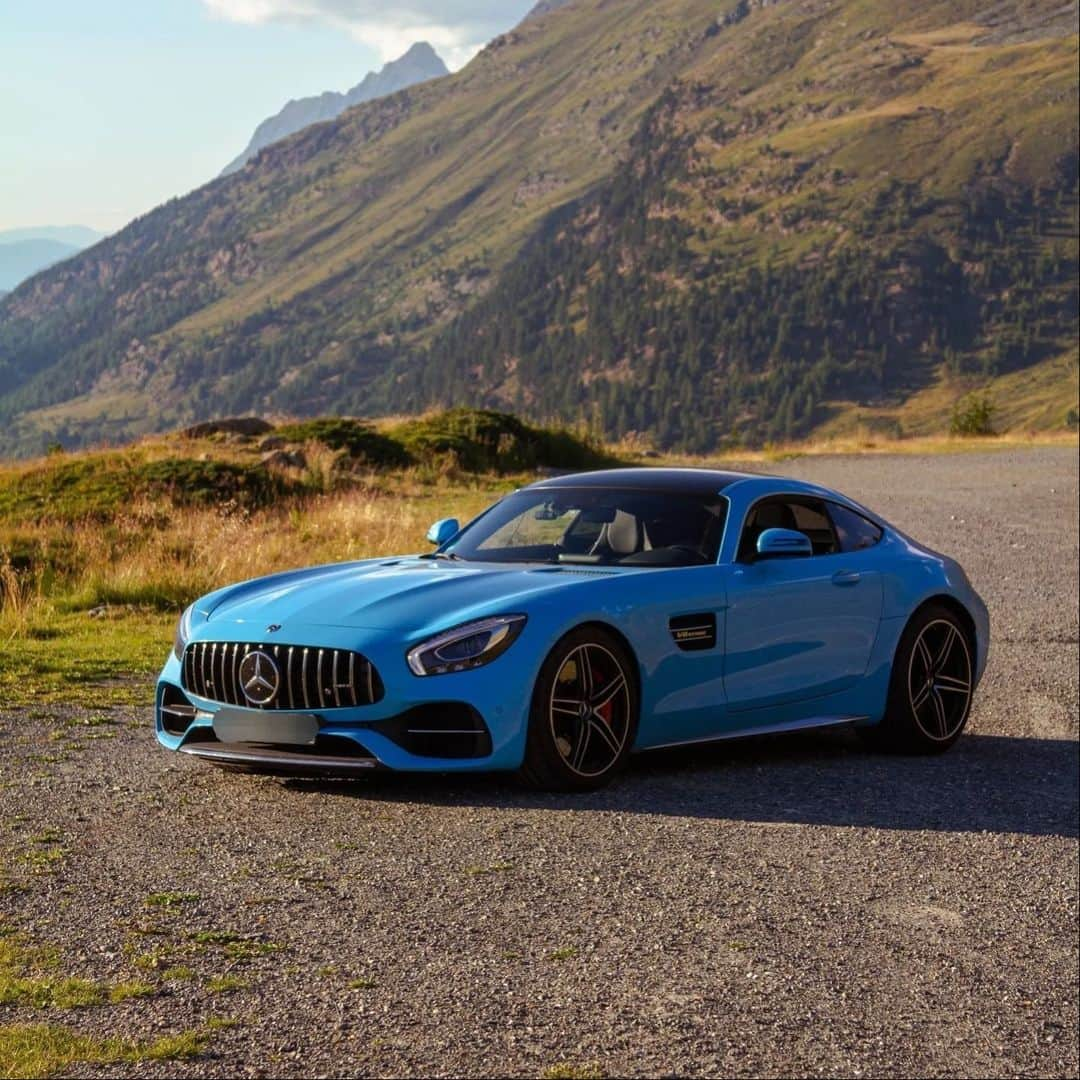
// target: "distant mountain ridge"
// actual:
[[27, 251], [418, 65], [78, 236]]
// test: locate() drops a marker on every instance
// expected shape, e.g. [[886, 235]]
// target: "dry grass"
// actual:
[[864, 439], [133, 574], [162, 556]]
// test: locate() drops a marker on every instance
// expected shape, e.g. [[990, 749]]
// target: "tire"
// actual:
[[584, 714], [931, 686]]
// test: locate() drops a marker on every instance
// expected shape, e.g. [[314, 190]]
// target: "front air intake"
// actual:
[[445, 729], [279, 676]]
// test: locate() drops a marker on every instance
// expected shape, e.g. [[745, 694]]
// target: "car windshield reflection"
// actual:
[[587, 527]]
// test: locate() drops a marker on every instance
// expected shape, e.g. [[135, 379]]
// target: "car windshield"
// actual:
[[597, 526]]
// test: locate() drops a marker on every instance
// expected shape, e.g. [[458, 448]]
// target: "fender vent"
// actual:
[[694, 633]]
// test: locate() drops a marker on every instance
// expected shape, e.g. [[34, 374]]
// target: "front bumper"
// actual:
[[469, 721], [279, 761]]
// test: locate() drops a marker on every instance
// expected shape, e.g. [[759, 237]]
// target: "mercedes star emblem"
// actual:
[[259, 678]]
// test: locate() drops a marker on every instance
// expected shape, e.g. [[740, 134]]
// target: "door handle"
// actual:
[[846, 577]]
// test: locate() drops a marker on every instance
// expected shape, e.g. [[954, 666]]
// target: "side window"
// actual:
[[853, 530], [788, 512], [812, 518]]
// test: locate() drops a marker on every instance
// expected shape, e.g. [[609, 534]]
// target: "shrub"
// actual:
[[189, 482], [481, 440], [359, 440], [972, 415]]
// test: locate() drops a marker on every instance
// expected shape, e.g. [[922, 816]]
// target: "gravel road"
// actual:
[[778, 906]]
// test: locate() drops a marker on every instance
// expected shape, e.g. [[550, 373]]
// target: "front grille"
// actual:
[[307, 678]]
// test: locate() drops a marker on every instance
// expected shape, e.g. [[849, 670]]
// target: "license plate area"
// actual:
[[268, 728]]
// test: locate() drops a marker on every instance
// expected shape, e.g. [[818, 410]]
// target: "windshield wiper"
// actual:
[[449, 556]]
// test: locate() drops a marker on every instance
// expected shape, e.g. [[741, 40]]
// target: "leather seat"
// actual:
[[621, 536], [775, 515]]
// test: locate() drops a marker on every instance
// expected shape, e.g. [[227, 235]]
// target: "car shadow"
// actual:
[[986, 783]]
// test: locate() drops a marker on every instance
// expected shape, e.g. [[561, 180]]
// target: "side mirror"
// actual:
[[442, 531], [783, 544]]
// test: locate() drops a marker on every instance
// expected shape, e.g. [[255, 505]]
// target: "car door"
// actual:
[[802, 627]]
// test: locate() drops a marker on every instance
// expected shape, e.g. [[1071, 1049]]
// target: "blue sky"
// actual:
[[110, 107]]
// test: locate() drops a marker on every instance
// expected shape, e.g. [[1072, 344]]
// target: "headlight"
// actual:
[[183, 633], [466, 647]]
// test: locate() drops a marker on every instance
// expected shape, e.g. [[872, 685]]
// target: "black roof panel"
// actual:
[[688, 481]]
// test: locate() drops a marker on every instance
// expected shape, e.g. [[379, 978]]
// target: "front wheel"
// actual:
[[931, 687], [584, 714]]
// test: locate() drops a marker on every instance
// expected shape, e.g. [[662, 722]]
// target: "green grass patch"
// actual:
[[171, 899], [29, 978], [363, 983], [106, 661], [492, 868], [125, 991], [235, 946], [178, 973], [31, 1051], [43, 852], [567, 952], [567, 1071], [226, 984]]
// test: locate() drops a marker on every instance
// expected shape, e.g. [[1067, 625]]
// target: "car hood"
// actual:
[[408, 594]]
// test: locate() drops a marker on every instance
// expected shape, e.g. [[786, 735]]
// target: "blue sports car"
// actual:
[[581, 619]]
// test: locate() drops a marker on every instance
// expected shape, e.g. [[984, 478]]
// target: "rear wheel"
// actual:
[[584, 714], [931, 686]]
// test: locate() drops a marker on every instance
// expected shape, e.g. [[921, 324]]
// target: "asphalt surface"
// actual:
[[781, 906]]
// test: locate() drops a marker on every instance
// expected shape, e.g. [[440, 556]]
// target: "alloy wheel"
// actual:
[[589, 710], [940, 680]]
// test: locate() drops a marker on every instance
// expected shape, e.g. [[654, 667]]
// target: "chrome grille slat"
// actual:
[[220, 686], [321, 678]]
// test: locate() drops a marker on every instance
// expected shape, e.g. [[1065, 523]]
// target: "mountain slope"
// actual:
[[695, 225], [417, 65]]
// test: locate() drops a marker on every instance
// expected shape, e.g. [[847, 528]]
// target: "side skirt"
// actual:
[[767, 729]]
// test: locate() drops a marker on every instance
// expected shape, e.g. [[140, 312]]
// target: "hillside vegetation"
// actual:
[[130, 536], [706, 223]]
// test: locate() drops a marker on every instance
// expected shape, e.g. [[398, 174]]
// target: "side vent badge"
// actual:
[[694, 633]]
